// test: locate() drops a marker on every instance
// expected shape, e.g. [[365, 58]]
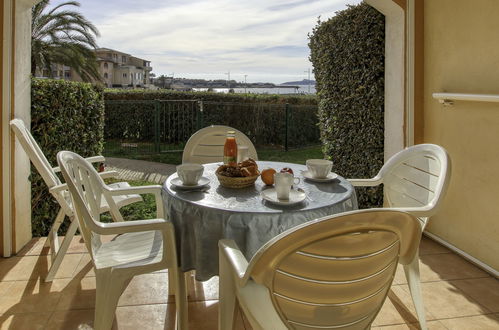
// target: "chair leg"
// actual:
[[412, 274], [108, 291], [171, 279], [61, 252], [177, 279], [227, 297], [52, 236]]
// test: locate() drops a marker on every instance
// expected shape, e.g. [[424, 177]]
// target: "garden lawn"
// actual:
[[136, 211]]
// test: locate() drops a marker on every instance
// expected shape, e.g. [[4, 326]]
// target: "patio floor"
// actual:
[[457, 295]]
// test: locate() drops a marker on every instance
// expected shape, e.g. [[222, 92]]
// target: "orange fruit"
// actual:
[[268, 176]]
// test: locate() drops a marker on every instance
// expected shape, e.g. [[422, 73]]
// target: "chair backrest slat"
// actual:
[[86, 187], [336, 272], [416, 177], [34, 152], [207, 145]]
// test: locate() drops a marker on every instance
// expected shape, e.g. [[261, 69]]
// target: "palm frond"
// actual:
[[63, 36]]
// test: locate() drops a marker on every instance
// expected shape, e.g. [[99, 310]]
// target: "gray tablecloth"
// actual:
[[202, 218]]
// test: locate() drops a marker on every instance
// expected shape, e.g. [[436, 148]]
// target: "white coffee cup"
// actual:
[[283, 183], [319, 168], [190, 174]]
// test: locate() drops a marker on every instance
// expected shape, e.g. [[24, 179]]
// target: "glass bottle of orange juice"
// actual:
[[230, 149]]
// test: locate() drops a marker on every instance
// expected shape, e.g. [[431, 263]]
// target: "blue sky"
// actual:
[[263, 39]]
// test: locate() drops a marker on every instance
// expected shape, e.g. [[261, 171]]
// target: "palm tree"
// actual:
[[63, 36]]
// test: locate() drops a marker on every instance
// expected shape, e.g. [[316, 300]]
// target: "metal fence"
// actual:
[[157, 126]]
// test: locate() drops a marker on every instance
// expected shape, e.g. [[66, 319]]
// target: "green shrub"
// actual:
[[64, 116], [137, 116], [137, 95], [347, 53]]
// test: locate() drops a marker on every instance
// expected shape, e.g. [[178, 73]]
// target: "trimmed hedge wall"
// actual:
[[347, 52], [137, 95], [64, 116], [130, 116]]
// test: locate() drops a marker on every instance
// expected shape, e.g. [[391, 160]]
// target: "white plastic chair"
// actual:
[[415, 181], [333, 272], [142, 246], [207, 145], [60, 193]]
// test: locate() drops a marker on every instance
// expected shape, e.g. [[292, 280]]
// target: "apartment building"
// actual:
[[120, 69], [117, 69]]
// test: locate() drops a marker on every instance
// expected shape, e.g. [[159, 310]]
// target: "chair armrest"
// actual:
[[63, 186], [93, 159], [59, 188], [152, 189], [424, 211], [96, 159], [236, 260], [376, 181], [108, 174], [115, 228]]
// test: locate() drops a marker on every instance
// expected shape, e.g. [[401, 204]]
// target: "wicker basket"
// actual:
[[236, 182]]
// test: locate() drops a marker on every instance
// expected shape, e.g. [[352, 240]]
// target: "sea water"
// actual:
[[299, 89]]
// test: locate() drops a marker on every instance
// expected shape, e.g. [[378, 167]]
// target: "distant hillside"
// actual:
[[302, 82]]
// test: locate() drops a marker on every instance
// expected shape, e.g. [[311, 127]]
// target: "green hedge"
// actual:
[[137, 95], [347, 53], [131, 115], [64, 116]]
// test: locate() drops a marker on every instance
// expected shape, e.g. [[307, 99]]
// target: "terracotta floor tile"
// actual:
[[203, 315], [77, 245], [71, 320], [481, 322], [146, 289], [447, 266], [85, 267], [484, 290], [38, 286], [22, 268], [399, 276], [32, 296], [444, 300], [201, 291], [32, 321], [147, 317], [68, 266], [432, 325], [34, 247], [78, 295], [429, 246], [45, 302], [398, 309], [4, 286], [33, 267]]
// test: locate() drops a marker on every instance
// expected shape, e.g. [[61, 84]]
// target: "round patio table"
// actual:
[[202, 218]]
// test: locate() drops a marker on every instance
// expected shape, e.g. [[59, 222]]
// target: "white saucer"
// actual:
[[295, 197], [203, 181], [330, 177]]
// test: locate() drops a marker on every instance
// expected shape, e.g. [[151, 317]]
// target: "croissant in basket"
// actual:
[[243, 169], [242, 175]]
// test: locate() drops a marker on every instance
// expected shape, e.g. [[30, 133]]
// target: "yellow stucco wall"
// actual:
[[462, 56], [1, 132]]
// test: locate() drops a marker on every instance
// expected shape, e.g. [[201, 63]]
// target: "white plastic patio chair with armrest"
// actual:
[[141, 246], [207, 145], [415, 181], [60, 192], [333, 272]]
